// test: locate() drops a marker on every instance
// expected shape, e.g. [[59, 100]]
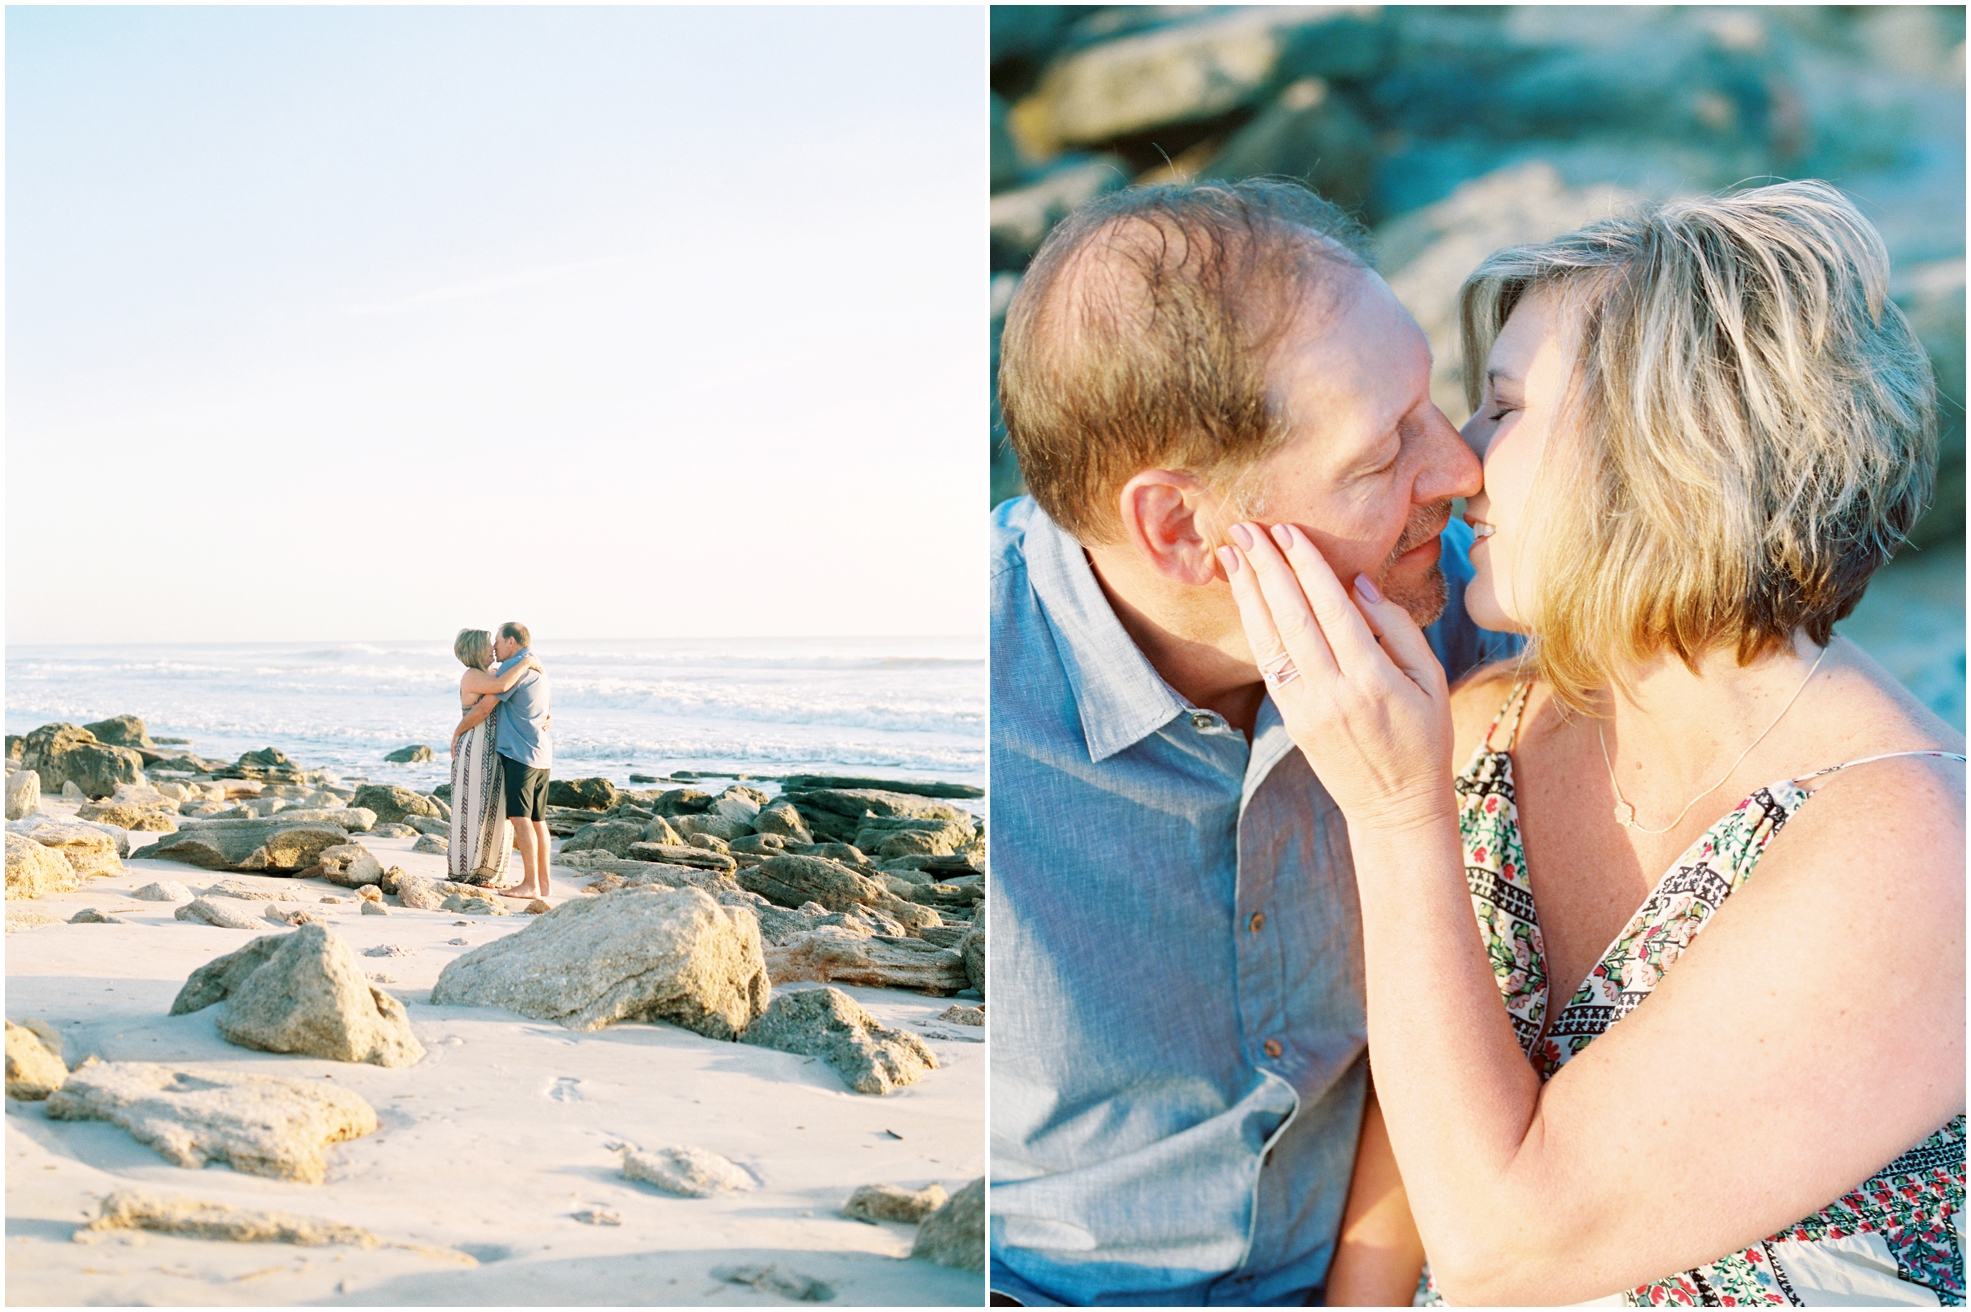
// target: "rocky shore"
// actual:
[[278, 979]]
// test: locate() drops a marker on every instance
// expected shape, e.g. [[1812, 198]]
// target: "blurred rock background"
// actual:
[[1452, 131]]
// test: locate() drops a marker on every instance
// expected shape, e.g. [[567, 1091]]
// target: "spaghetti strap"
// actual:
[[1886, 756], [1516, 703]]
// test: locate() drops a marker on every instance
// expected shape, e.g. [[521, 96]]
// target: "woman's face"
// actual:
[[1526, 378]]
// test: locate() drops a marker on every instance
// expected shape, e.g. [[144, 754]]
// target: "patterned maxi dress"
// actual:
[[1894, 1240], [481, 839]]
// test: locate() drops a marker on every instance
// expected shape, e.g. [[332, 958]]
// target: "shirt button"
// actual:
[[1272, 1047], [1201, 721], [1258, 921]]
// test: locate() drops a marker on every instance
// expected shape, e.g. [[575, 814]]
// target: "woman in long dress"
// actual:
[[1704, 1043], [481, 839]]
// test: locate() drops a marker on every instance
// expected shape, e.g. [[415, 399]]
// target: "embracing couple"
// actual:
[[500, 762], [1562, 916]]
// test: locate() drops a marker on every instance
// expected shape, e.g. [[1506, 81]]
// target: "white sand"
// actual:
[[489, 1144]]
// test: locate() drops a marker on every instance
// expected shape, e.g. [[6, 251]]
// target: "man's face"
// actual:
[[504, 647], [1372, 463]]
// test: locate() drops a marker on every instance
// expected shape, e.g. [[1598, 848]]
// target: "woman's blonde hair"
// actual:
[[474, 648], [1756, 428]]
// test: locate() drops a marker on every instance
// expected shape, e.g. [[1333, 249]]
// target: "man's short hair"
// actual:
[[1140, 334], [1753, 422], [515, 631]]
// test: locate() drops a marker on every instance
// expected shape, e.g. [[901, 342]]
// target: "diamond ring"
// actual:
[[1279, 671]]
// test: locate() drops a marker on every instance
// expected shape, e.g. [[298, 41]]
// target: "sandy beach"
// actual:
[[489, 1146]]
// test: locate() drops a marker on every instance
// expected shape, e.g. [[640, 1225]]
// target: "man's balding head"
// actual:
[[1140, 335]]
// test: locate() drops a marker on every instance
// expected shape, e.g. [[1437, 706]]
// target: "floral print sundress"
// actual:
[[1895, 1239]]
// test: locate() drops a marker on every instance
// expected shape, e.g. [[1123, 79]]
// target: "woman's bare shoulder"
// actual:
[[1475, 700]]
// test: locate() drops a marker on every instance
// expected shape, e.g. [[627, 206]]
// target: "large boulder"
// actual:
[[711, 823], [64, 753], [835, 954], [791, 881], [612, 836], [954, 1235], [900, 835], [783, 821], [829, 1024], [415, 754], [355, 819], [634, 954], [89, 849], [254, 1123], [583, 794], [131, 816], [121, 731], [682, 801], [391, 803], [23, 794], [34, 1061], [274, 846], [34, 870], [302, 992]]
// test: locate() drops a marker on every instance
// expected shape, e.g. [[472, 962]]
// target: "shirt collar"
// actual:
[[1121, 697]]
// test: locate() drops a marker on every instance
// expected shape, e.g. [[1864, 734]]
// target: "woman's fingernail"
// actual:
[[1283, 535], [1367, 587], [1242, 535], [1230, 560]]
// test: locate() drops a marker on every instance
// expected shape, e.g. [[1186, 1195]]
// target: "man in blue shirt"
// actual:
[[1178, 1070]]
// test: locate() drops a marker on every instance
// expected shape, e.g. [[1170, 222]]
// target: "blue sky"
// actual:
[[373, 323]]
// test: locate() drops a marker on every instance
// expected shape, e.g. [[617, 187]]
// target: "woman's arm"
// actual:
[[1378, 1256], [474, 717], [1813, 1032], [479, 681]]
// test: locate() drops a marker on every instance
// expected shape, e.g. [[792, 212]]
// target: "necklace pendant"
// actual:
[[1625, 815]]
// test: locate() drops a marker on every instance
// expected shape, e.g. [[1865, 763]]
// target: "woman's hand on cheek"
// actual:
[[1372, 717]]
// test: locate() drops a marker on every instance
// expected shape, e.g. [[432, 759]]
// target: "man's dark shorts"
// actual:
[[526, 790]]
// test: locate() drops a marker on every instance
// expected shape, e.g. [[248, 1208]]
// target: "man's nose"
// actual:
[[1450, 468]]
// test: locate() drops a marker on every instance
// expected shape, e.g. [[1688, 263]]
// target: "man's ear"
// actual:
[[1164, 519]]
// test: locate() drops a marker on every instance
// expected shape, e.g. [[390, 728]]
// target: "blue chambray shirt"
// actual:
[[1177, 998], [523, 717]]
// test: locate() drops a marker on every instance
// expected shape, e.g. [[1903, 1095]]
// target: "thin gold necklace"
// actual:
[[1625, 814]]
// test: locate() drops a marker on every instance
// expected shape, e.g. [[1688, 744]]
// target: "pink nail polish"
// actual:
[[1283, 535], [1230, 560], [1242, 535], [1367, 587]]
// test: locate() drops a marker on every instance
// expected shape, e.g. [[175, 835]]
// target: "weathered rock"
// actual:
[[857, 802], [90, 849], [774, 1279], [888, 1202], [972, 949], [682, 801], [783, 820], [34, 870], [832, 954], [392, 804], [897, 835], [612, 836], [389, 950], [432, 843], [691, 1172], [424, 824], [792, 880], [122, 731], [827, 1023], [597, 1216], [473, 906], [23, 794], [411, 755], [954, 1235], [711, 825], [685, 855], [293, 916], [91, 916], [163, 890], [394, 829], [34, 1062], [273, 846], [738, 804], [200, 911], [64, 754], [634, 954], [137, 1209], [707, 843], [254, 1123], [302, 992], [375, 909], [957, 1015], [124, 815], [351, 865], [583, 794], [249, 892], [762, 845], [803, 782]]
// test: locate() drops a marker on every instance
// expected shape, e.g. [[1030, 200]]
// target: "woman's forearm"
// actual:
[[1458, 1093]]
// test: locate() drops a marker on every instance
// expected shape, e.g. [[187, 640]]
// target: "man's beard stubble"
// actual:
[[1425, 599]]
